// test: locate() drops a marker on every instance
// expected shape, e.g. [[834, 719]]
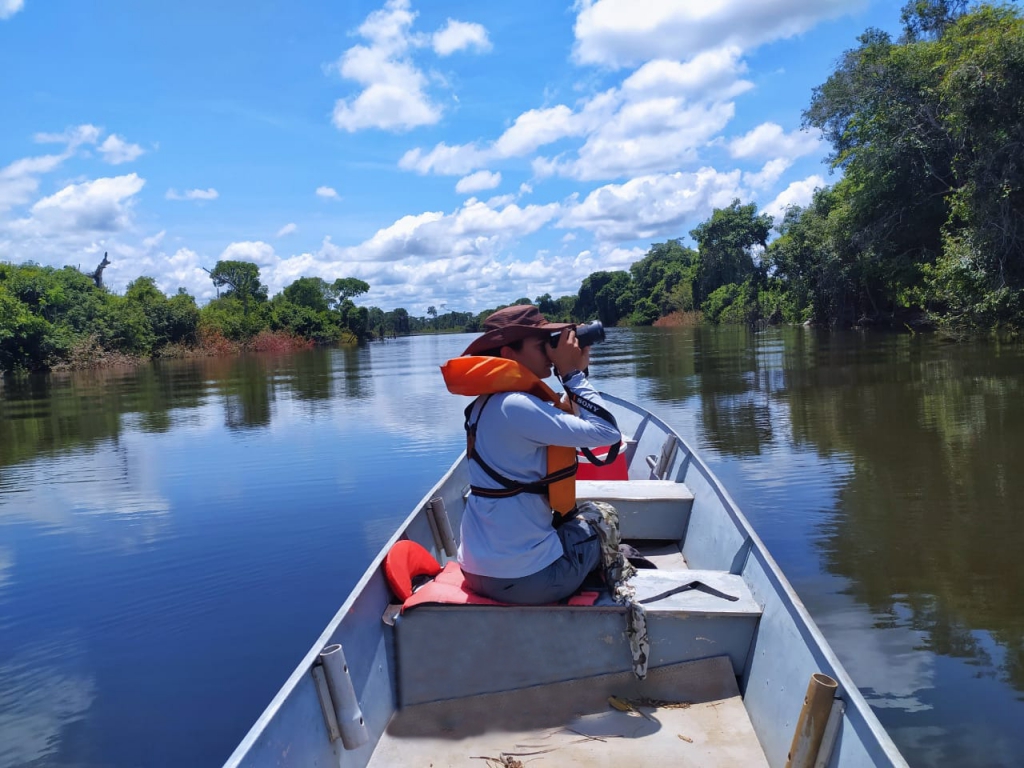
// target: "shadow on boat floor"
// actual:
[[686, 714]]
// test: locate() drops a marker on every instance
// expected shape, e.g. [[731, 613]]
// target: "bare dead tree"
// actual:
[[97, 275]]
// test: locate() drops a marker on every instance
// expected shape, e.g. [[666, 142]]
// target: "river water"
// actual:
[[174, 537]]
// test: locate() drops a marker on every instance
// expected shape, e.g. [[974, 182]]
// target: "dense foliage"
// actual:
[[928, 132], [52, 316]]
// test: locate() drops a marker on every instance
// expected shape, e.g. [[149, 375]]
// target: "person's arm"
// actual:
[[541, 424], [590, 427], [571, 363]]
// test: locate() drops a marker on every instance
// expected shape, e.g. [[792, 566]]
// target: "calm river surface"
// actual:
[[174, 538]]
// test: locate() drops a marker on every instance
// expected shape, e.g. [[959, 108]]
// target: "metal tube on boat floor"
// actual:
[[444, 526], [343, 696], [814, 715], [828, 739]]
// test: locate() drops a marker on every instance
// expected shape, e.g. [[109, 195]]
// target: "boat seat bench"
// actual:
[[452, 651], [648, 509]]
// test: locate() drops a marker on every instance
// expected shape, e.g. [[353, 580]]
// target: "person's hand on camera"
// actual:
[[567, 355]]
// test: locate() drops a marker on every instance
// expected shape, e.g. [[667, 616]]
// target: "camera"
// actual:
[[586, 334]]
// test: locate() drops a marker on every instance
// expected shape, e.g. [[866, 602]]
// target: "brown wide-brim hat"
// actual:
[[511, 324]]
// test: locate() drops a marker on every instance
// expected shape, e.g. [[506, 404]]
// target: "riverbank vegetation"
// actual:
[[925, 228]]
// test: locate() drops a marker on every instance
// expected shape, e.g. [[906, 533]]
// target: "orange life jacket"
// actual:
[[477, 376]]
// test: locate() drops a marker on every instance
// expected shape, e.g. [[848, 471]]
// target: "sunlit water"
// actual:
[[174, 538]]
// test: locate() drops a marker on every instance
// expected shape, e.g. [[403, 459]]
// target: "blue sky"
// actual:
[[461, 154]]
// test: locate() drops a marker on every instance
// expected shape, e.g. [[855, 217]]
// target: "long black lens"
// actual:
[[586, 334], [590, 333]]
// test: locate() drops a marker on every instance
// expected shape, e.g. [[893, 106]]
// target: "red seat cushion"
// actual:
[[405, 561], [449, 587]]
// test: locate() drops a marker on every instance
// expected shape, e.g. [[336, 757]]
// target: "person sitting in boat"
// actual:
[[521, 442]]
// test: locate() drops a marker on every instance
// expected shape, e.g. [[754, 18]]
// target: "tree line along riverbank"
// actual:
[[924, 229]]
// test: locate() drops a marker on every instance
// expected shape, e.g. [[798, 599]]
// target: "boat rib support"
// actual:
[[828, 739]]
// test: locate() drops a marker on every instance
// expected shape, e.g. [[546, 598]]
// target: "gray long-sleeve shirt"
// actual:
[[513, 537]]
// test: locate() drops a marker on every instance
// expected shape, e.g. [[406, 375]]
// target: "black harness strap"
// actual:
[[509, 487], [601, 413], [514, 487]]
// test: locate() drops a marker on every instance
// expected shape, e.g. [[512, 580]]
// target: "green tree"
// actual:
[[928, 19], [347, 288], [927, 131], [311, 292], [607, 295], [26, 339], [243, 281], [399, 320], [815, 257], [729, 244], [664, 276]]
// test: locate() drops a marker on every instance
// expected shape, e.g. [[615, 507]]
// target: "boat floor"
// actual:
[[688, 714]]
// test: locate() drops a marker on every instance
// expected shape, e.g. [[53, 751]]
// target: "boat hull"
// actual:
[[773, 654]]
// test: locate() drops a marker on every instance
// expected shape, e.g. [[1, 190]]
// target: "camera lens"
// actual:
[[586, 334], [590, 333]]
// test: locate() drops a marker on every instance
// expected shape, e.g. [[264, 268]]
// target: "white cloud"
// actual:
[[10, 7], [394, 89], [536, 128], [769, 140], [287, 229], [643, 137], [256, 251], [768, 175], [152, 242], [798, 193], [500, 201], [19, 181], [656, 121], [475, 229], [459, 36], [619, 33], [716, 71], [116, 150], [478, 181], [73, 137], [327, 192], [653, 206], [184, 268], [181, 269], [445, 160], [193, 194], [101, 205]]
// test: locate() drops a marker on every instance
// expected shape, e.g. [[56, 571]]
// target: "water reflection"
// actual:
[[172, 511], [312, 378], [931, 519], [919, 517], [39, 700]]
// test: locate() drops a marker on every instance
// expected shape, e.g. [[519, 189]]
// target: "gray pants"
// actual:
[[581, 553]]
